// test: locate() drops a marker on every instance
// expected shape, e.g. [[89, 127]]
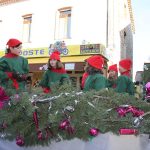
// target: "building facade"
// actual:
[[84, 27]]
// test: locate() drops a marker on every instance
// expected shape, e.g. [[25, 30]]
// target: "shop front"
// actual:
[[72, 56]]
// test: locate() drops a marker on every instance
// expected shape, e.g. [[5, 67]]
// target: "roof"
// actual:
[[7, 2]]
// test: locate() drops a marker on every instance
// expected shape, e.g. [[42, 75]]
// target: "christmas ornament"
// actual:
[[91, 104], [137, 121], [20, 140], [76, 102], [59, 138], [69, 108], [33, 99], [36, 121], [35, 118], [127, 131], [147, 87], [137, 113], [48, 133], [124, 106], [93, 131], [40, 135], [70, 129], [63, 125], [16, 97], [3, 98], [50, 106], [121, 111], [66, 125]]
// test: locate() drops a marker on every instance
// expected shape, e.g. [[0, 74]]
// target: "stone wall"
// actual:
[[126, 43]]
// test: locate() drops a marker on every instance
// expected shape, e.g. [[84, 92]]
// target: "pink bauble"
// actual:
[[93, 131]]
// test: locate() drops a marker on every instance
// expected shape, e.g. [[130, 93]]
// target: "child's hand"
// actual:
[[19, 77]]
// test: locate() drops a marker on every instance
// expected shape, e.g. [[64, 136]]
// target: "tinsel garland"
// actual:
[[38, 119]]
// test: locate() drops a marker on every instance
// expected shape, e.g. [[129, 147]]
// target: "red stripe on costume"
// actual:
[[126, 73], [61, 71], [10, 55], [15, 83], [84, 77]]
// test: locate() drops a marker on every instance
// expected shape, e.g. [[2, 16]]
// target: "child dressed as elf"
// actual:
[[55, 73], [13, 68], [85, 75], [124, 82], [112, 76], [95, 79]]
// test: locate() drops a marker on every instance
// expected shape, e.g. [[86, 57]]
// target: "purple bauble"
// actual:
[[93, 131], [147, 86], [63, 124], [121, 111], [20, 141]]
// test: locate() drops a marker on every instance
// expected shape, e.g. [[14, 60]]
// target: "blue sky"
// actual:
[[141, 12]]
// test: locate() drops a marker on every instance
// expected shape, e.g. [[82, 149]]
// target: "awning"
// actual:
[[63, 59]]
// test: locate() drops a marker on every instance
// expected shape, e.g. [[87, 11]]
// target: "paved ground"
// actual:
[[102, 142]]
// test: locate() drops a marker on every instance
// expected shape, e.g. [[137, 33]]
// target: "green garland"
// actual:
[[93, 109]]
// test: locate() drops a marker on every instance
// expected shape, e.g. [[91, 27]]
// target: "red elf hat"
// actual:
[[113, 68], [126, 64], [13, 42], [55, 55], [96, 61]]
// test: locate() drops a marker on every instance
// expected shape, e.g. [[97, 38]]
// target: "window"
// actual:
[[27, 20], [63, 23]]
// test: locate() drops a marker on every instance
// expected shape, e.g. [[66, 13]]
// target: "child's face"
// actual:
[[121, 70], [53, 63], [112, 73], [16, 50]]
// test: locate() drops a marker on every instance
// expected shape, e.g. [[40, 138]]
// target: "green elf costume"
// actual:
[[113, 75], [124, 82], [53, 75], [13, 68], [95, 81]]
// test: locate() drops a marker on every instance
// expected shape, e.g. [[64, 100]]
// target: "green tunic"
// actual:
[[125, 85], [53, 76], [112, 83], [95, 82], [12, 63]]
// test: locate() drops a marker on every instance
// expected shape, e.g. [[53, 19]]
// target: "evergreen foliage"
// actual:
[[93, 109]]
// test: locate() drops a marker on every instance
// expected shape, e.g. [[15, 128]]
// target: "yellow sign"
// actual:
[[2, 53], [45, 51], [71, 50], [35, 52]]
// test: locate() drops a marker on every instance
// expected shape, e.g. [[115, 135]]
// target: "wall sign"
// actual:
[[70, 66], [90, 48]]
